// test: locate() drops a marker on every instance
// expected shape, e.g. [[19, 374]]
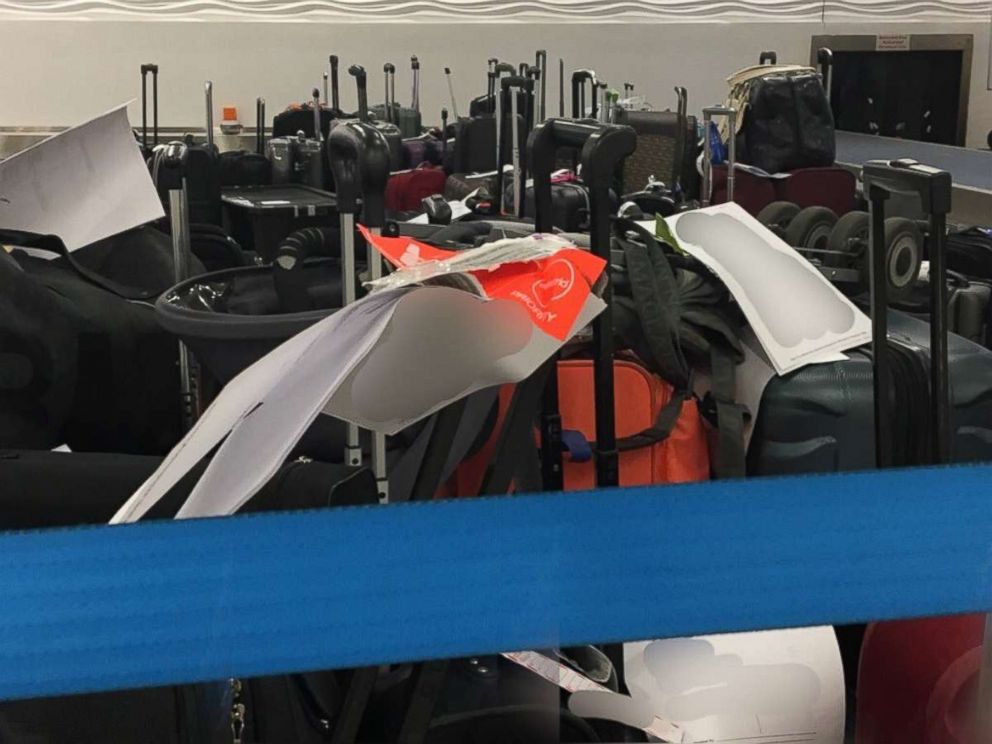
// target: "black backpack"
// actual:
[[787, 124], [677, 317]]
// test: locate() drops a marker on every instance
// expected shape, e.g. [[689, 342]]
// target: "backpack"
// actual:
[[678, 319]]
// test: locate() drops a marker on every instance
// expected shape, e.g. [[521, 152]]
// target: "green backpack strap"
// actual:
[[655, 298]]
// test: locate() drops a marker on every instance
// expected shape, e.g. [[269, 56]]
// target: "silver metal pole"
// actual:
[[209, 89], [731, 115], [179, 218], [353, 446], [378, 439], [515, 130]]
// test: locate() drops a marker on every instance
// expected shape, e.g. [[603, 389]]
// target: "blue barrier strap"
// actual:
[[150, 604]]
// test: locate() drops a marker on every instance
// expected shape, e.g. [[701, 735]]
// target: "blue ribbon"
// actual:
[[166, 602]]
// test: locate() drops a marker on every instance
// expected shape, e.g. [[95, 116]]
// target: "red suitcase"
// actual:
[[918, 681], [406, 189]]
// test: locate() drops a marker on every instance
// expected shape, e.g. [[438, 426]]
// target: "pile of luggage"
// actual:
[[113, 351]]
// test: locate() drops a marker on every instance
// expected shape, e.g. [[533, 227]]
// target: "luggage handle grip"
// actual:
[[359, 159], [905, 175], [335, 96], [358, 72], [603, 147], [768, 58]]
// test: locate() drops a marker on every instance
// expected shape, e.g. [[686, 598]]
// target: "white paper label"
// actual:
[[892, 43]]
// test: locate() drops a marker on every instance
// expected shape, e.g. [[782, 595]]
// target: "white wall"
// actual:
[[59, 72]]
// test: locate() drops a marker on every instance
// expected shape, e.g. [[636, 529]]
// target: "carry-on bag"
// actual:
[[388, 129], [406, 119]]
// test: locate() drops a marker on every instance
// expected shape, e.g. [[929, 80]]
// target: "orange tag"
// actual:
[[553, 286]]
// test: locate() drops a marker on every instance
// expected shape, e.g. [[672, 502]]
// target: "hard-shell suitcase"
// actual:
[[389, 130], [819, 418]]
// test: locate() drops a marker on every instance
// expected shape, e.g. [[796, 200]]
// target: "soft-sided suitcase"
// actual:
[[658, 148], [752, 193], [831, 187], [423, 149], [405, 190], [640, 397]]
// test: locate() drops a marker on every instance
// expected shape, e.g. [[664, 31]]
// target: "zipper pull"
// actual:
[[238, 711]]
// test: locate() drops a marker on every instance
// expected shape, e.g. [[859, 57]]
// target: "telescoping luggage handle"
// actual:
[[389, 75], [361, 80], [260, 125], [359, 158], [541, 62], [825, 59], [335, 92], [604, 147], [508, 91], [415, 70], [708, 114], [208, 88], [882, 178], [145, 69], [579, 79]]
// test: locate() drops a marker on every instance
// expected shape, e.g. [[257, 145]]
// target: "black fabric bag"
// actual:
[[84, 361], [199, 165], [61, 489], [969, 252], [787, 124]]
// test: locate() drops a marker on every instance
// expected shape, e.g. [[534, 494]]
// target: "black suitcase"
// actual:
[[969, 252], [394, 139], [474, 149], [57, 489]]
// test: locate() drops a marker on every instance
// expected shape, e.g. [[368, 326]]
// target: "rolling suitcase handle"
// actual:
[[825, 59], [561, 88], [579, 78], [415, 70], [318, 133], [361, 81], [209, 95], [260, 125], [508, 88], [181, 251], [768, 58], [388, 72], [335, 93], [541, 62], [682, 122], [708, 114], [451, 93], [326, 99], [604, 147], [444, 134], [628, 88], [359, 158], [145, 69], [882, 178]]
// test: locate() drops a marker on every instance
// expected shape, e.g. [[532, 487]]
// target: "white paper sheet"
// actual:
[[798, 316], [385, 362], [745, 688], [83, 184]]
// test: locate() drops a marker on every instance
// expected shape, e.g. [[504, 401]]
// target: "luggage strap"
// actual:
[[657, 306], [54, 244]]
